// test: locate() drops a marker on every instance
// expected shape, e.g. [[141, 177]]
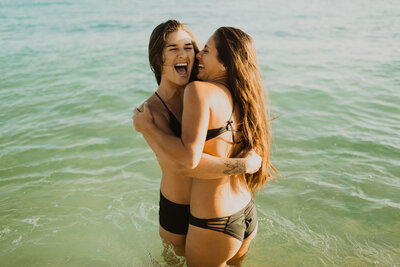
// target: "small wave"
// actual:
[[380, 202], [33, 221], [105, 27], [16, 241], [5, 231], [37, 4]]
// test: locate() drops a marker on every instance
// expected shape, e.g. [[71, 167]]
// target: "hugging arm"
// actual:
[[211, 167], [164, 144], [186, 150]]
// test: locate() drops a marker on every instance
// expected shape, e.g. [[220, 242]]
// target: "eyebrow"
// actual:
[[174, 45]]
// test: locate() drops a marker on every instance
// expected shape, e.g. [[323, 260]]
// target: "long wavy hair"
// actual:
[[236, 51], [158, 41]]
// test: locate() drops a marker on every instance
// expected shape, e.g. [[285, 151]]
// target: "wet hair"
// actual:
[[236, 51], [157, 43]]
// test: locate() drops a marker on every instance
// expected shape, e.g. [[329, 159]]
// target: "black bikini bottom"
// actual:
[[239, 225], [173, 217]]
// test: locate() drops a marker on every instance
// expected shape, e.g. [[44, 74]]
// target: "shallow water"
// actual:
[[79, 187]]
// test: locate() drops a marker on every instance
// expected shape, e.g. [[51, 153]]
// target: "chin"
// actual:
[[183, 83]]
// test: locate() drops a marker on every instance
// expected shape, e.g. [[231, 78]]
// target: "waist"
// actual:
[[217, 201], [176, 189]]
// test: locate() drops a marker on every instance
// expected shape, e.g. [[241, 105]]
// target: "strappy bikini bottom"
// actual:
[[239, 225]]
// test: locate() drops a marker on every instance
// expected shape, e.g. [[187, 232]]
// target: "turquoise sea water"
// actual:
[[79, 187]]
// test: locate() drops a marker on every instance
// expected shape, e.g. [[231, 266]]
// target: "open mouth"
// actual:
[[181, 68], [201, 66]]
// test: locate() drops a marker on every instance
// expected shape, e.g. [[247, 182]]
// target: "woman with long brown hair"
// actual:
[[172, 50], [223, 115]]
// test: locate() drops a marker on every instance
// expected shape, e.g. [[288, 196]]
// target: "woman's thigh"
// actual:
[[239, 256], [209, 248]]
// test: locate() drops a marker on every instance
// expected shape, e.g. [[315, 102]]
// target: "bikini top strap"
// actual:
[[229, 125], [162, 101], [233, 110]]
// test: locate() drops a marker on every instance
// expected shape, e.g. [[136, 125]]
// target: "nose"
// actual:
[[182, 53]]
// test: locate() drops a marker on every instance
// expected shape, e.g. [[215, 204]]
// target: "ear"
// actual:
[[223, 67]]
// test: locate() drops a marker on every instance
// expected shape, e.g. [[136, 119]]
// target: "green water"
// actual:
[[79, 187]]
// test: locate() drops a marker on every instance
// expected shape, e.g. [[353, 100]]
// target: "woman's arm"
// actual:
[[186, 150], [209, 167]]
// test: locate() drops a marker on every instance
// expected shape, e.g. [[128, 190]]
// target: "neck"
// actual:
[[221, 80], [168, 91]]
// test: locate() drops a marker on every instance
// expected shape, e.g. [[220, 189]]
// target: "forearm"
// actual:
[[209, 167], [170, 146], [212, 167]]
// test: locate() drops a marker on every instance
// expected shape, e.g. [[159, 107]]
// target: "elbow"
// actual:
[[190, 162], [193, 164]]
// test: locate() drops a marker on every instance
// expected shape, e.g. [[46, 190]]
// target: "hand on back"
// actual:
[[253, 162]]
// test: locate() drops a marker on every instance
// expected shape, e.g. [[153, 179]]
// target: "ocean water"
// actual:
[[79, 187]]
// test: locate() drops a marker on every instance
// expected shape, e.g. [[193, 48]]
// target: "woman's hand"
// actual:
[[253, 162], [142, 117]]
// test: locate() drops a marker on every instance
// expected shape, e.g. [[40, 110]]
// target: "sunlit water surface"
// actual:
[[78, 187]]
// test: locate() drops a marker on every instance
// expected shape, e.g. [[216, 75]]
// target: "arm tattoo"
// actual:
[[236, 167]]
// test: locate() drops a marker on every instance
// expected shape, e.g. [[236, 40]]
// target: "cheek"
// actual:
[[163, 57], [167, 58]]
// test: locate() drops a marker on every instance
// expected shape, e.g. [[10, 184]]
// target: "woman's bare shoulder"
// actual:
[[152, 103], [202, 87], [157, 108]]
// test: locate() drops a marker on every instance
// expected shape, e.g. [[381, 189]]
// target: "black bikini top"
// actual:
[[211, 133], [174, 124]]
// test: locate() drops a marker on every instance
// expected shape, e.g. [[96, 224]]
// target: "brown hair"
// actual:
[[157, 43], [237, 53]]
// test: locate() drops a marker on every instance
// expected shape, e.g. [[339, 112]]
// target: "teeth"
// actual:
[[181, 65], [201, 66]]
